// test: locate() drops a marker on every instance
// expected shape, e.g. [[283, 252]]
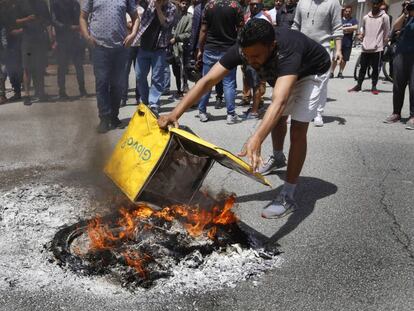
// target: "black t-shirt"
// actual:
[[149, 38], [36, 30], [222, 18], [295, 54]]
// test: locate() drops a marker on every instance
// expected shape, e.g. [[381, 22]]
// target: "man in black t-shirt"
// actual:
[[34, 17], [293, 64], [219, 27]]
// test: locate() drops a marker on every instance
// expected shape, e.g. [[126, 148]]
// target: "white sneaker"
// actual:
[[232, 118], [280, 207], [203, 116], [272, 164], [318, 121]]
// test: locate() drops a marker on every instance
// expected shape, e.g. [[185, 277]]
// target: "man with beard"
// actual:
[[294, 65]]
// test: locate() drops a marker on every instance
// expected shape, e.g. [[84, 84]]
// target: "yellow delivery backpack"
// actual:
[[159, 166]]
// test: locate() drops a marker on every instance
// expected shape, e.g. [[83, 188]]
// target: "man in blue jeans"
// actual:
[[103, 24], [221, 21], [153, 36]]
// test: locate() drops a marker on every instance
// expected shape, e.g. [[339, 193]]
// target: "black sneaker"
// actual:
[[104, 126], [356, 88], [340, 75], [331, 76], [27, 101], [219, 103], [83, 93], [16, 97], [62, 96], [117, 124]]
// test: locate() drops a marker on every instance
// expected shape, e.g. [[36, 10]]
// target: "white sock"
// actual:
[[277, 153], [289, 189]]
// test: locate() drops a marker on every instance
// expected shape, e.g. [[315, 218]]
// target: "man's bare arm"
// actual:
[[281, 92], [205, 84], [83, 24]]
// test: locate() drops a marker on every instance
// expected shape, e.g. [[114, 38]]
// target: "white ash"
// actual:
[[31, 215]]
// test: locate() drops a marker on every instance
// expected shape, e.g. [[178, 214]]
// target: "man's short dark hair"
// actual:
[[257, 30]]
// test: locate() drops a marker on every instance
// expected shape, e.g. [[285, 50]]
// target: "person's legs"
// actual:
[[208, 62], [62, 60], [102, 70], [14, 67], [229, 88], [158, 67], [364, 67], [167, 79], [297, 151], [127, 71], [177, 74], [77, 57], [375, 64], [119, 57], [3, 76], [400, 81], [142, 68], [410, 68]]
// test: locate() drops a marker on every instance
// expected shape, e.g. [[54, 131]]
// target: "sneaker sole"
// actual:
[[273, 169], [287, 212]]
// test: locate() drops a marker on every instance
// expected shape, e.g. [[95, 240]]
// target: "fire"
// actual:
[[195, 219], [136, 261]]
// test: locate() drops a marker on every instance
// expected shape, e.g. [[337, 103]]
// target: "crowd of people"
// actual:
[[189, 37], [292, 47]]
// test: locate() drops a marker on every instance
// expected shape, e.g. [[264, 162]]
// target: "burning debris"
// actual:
[[142, 244]]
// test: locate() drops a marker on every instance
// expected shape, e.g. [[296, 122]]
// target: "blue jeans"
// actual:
[[156, 61], [109, 67], [132, 57], [210, 58]]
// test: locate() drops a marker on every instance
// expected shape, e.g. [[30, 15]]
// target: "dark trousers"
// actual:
[[179, 74], [132, 57], [373, 60], [403, 74], [14, 63], [109, 67], [70, 50]]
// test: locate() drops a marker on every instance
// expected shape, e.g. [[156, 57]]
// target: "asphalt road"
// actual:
[[347, 248]]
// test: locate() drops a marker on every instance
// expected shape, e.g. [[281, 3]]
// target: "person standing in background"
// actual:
[[195, 35], [3, 75], [321, 21], [65, 19], [374, 36], [14, 50], [286, 14], [132, 58], [276, 9], [34, 18], [103, 25], [153, 37], [180, 44], [403, 73], [349, 26], [222, 20]]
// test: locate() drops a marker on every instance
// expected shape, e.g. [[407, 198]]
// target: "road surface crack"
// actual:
[[400, 235]]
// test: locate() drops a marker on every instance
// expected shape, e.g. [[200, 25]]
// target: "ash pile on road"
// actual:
[[31, 215]]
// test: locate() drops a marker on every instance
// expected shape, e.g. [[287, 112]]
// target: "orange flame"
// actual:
[[196, 220], [136, 261]]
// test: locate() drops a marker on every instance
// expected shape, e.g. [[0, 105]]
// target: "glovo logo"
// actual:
[[143, 152]]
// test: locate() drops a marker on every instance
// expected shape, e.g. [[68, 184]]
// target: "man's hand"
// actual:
[[199, 59], [128, 40], [172, 41], [75, 28], [252, 150], [165, 120], [338, 56], [90, 41], [30, 18]]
